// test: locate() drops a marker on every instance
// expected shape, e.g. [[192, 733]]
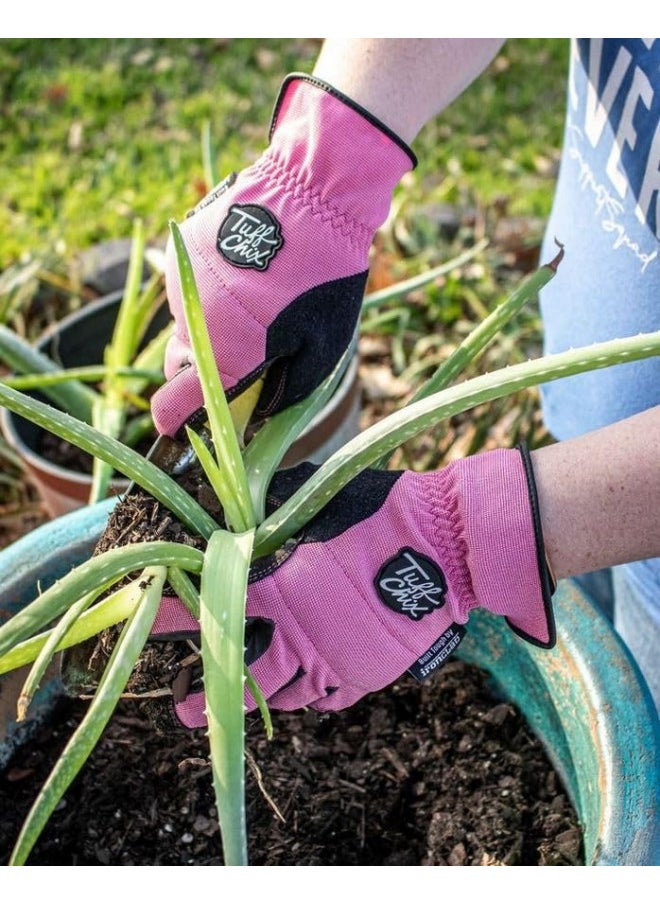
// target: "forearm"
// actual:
[[404, 82], [599, 496]]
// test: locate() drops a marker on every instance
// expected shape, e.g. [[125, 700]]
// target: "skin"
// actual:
[[599, 494], [404, 82]]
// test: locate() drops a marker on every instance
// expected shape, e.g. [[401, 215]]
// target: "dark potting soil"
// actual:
[[436, 774], [440, 773], [65, 455]]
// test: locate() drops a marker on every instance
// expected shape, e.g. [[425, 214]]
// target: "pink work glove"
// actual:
[[383, 580], [280, 253]]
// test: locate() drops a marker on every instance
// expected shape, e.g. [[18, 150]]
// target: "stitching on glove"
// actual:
[[318, 653], [449, 534], [277, 395], [275, 171], [272, 562]]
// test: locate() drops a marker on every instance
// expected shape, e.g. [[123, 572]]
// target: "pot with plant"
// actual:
[[99, 363], [225, 562]]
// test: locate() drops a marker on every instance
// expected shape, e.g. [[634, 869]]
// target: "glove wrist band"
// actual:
[[347, 101], [546, 577], [488, 534]]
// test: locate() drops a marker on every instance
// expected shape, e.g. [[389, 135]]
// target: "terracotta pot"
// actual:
[[78, 340], [585, 700]]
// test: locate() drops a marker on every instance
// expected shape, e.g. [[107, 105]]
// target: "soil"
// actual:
[[439, 773], [442, 773]]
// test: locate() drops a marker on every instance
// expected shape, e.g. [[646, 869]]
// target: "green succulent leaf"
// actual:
[[114, 680]]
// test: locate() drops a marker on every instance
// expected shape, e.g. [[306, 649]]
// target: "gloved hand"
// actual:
[[383, 581], [280, 253]]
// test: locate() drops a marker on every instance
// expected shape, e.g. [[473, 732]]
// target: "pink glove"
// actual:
[[280, 253], [383, 581]]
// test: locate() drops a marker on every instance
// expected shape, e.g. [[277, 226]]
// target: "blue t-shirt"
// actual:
[[607, 214]]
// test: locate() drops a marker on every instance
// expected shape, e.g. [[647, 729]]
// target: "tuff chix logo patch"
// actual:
[[411, 584], [249, 236]]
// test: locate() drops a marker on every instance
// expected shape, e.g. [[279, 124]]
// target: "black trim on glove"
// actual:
[[330, 89], [548, 586]]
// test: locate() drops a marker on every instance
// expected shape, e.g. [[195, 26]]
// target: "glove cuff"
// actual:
[[495, 509], [333, 156], [344, 99]]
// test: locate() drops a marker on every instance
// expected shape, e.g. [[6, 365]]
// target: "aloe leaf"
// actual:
[[242, 407], [109, 410], [82, 742], [149, 299], [272, 441], [97, 573], [138, 428], [23, 358], [108, 414], [151, 359], [45, 655], [219, 478], [398, 317], [222, 597], [123, 459], [487, 330], [129, 323], [114, 608], [402, 425], [185, 590], [261, 702], [398, 290], [238, 505], [89, 374], [483, 334]]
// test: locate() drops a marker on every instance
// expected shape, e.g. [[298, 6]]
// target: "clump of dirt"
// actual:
[[442, 773]]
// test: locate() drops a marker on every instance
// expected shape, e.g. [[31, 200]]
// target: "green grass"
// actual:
[[138, 107], [97, 132], [500, 139]]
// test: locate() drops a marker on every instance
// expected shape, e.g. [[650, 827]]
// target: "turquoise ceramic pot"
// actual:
[[585, 699]]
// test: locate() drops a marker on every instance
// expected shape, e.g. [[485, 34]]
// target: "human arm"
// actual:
[[599, 496]]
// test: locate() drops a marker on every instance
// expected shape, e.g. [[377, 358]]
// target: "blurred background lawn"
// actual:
[[95, 133]]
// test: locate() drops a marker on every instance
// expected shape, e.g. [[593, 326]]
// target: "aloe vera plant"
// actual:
[[121, 378], [85, 602]]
